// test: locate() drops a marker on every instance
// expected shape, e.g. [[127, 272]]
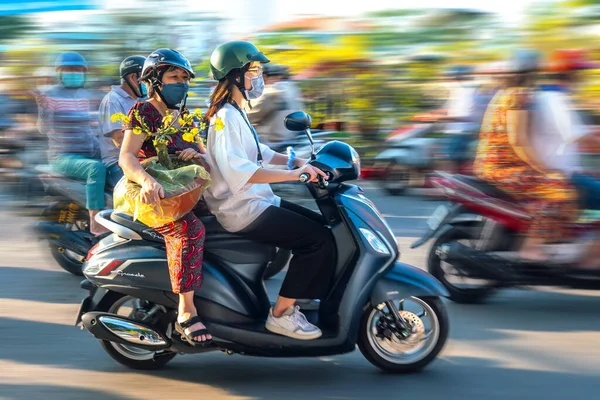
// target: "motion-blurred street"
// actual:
[[521, 345]]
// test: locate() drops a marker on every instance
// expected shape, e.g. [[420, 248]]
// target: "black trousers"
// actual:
[[303, 232]]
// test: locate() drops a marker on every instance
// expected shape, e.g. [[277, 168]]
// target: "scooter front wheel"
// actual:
[[462, 289], [395, 350]]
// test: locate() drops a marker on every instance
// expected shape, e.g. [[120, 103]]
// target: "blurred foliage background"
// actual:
[[363, 75]]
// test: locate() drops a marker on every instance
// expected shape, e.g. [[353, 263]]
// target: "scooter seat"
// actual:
[[483, 187], [219, 242], [210, 223], [143, 230]]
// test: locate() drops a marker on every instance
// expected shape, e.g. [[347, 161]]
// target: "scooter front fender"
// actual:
[[402, 281]]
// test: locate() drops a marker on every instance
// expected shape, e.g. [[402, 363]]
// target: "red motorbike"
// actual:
[[477, 234]]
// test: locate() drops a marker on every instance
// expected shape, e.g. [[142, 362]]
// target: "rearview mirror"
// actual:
[[298, 121]]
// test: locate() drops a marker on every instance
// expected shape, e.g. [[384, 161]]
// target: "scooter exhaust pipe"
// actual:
[[115, 328], [475, 263]]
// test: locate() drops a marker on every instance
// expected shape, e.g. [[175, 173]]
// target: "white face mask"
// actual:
[[258, 86]]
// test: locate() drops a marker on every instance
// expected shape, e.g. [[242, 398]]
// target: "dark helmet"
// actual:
[[132, 65], [232, 55], [523, 61], [165, 57], [70, 59]]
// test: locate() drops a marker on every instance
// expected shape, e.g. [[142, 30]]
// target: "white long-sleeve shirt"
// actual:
[[233, 158], [555, 129]]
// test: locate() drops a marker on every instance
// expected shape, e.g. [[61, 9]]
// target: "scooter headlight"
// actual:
[[374, 241]]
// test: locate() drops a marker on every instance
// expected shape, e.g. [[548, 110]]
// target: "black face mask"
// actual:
[[174, 95]]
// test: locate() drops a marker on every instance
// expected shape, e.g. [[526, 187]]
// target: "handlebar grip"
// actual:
[[304, 177]]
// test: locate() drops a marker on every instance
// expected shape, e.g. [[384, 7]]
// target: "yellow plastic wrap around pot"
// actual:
[[183, 188]]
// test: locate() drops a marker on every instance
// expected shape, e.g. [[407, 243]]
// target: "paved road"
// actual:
[[526, 345]]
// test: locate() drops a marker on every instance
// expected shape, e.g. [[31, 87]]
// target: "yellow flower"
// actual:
[[182, 122], [194, 131], [189, 137], [167, 119], [219, 125], [137, 130], [119, 117]]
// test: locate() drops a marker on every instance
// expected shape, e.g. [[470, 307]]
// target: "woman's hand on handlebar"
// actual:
[[151, 192], [311, 171]]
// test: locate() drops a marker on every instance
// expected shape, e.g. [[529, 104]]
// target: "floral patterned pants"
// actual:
[[184, 240]]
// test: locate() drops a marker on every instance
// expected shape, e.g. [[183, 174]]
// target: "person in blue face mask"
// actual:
[[120, 99], [166, 74], [64, 116]]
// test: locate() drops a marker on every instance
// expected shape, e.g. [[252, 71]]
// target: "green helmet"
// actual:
[[232, 55]]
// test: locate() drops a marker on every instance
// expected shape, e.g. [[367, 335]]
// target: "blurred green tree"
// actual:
[[15, 26]]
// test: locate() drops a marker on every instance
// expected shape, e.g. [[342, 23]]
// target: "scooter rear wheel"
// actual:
[[382, 344], [130, 356], [66, 261]]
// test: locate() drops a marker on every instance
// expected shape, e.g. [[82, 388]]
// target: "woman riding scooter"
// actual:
[[166, 74], [240, 195], [506, 159]]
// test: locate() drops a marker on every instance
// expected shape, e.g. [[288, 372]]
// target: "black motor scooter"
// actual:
[[391, 310]]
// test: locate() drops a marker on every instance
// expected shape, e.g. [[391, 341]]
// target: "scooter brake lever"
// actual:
[[323, 183]]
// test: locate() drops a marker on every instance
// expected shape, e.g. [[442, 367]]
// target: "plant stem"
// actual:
[[163, 156]]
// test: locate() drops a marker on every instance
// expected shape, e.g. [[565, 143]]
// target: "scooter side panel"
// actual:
[[368, 266], [353, 199], [145, 268], [403, 281]]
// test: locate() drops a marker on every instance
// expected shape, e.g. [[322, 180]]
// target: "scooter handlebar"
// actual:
[[322, 182], [304, 177]]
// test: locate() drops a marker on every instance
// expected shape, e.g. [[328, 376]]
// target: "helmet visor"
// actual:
[[259, 57]]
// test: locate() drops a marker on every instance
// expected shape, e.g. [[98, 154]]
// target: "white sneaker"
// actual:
[[292, 323]]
